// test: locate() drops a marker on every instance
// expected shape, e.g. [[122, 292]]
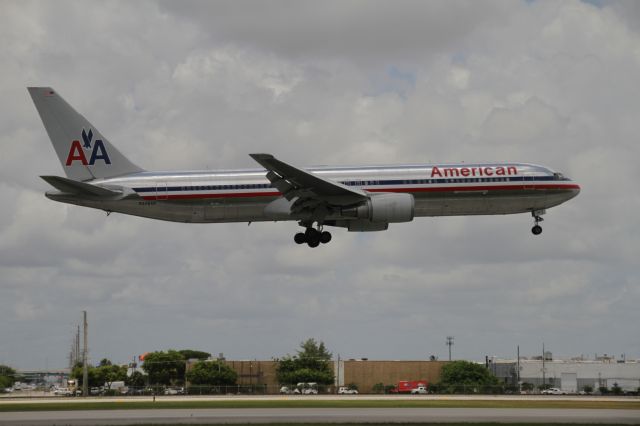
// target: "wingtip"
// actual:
[[261, 156], [44, 90]]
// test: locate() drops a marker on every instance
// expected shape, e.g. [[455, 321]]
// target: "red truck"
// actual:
[[406, 386]]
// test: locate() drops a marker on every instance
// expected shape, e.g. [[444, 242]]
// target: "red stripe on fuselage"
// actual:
[[161, 197], [218, 195], [480, 188]]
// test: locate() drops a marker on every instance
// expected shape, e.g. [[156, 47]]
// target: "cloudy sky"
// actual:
[[199, 85]]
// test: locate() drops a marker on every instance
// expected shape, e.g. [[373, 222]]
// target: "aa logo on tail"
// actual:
[[77, 151]]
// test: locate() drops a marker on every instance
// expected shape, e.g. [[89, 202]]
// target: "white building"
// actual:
[[571, 375]]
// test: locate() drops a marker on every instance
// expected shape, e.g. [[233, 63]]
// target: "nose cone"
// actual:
[[573, 189]]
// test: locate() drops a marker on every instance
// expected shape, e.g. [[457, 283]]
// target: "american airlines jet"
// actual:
[[360, 198]]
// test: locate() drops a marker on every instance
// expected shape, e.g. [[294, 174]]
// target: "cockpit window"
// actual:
[[559, 176]]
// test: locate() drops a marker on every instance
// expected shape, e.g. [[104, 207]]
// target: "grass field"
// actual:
[[164, 404]]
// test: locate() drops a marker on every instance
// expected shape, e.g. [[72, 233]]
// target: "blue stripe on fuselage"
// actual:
[[362, 182]]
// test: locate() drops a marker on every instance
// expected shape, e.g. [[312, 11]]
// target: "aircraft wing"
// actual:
[[309, 188]]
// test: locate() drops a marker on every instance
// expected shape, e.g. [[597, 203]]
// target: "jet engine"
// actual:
[[385, 208]]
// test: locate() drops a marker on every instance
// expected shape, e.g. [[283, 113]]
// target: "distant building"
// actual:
[[570, 375], [365, 374]]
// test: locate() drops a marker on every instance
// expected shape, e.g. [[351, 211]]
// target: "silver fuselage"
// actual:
[[241, 195]]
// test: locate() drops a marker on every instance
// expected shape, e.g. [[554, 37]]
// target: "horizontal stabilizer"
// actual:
[[71, 186]]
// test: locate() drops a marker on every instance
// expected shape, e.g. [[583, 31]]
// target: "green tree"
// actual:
[[136, 380], [102, 375], [526, 387], [211, 373], [465, 376], [193, 354], [94, 380], [616, 390], [312, 351], [7, 376], [107, 374], [305, 375], [389, 388], [310, 364], [164, 368], [378, 388], [587, 388]]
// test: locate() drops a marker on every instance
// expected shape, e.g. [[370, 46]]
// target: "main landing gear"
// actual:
[[313, 237], [537, 217]]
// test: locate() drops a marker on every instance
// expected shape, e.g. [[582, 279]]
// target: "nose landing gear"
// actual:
[[313, 237], [537, 217]]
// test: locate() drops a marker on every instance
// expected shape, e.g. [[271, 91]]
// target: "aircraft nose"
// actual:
[[575, 189]]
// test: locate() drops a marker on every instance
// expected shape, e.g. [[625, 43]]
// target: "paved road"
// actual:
[[324, 415]]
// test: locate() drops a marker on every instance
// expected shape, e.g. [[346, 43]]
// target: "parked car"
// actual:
[[553, 391], [419, 390], [310, 388], [343, 390], [62, 392], [174, 391], [285, 390]]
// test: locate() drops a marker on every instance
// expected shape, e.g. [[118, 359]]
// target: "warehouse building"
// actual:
[[570, 375], [365, 374]]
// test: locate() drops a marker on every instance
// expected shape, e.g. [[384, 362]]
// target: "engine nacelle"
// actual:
[[366, 226], [384, 208]]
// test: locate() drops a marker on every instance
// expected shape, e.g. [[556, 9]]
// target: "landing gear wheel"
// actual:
[[325, 237], [537, 218], [313, 237]]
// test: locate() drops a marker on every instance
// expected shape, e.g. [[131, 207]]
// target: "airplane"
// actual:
[[358, 198]]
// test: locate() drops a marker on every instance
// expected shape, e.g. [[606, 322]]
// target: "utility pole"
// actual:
[[85, 367], [77, 348], [449, 343], [338, 375], [544, 382], [518, 367]]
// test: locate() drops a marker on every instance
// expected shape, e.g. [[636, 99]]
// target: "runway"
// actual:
[[319, 415]]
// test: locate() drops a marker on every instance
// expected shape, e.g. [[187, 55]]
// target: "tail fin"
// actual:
[[83, 152]]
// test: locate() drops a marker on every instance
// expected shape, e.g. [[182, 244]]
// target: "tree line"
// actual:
[[311, 363]]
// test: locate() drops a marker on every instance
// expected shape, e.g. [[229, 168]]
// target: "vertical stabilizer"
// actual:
[[83, 152]]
